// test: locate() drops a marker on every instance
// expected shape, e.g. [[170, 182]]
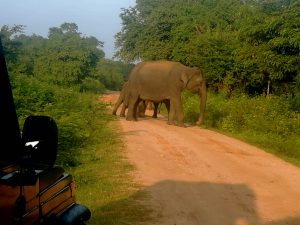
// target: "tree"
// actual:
[[11, 46], [273, 45], [68, 57], [112, 73], [241, 45]]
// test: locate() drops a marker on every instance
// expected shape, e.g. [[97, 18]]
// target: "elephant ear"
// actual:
[[184, 78], [186, 75]]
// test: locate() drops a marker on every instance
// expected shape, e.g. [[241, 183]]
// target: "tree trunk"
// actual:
[[268, 89]]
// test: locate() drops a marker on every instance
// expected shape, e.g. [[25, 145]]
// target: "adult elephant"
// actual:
[[160, 80]]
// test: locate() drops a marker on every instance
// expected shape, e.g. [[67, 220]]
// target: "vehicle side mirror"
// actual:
[[40, 138]]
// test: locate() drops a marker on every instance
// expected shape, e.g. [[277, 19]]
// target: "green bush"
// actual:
[[295, 102], [31, 96], [190, 107], [92, 85], [72, 111]]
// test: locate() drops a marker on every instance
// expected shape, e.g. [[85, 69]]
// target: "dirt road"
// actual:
[[198, 177]]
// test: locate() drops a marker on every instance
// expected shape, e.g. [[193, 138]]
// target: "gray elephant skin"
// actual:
[[123, 98], [159, 80], [157, 105]]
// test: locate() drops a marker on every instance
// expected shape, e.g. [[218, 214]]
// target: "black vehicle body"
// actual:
[[32, 189]]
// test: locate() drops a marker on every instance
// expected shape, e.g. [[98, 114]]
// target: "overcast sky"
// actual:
[[99, 18]]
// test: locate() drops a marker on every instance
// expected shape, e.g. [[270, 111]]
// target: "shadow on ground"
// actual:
[[187, 203]]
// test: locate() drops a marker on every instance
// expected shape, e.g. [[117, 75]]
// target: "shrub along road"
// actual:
[[195, 176]]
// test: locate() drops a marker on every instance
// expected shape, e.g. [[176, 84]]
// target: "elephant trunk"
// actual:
[[203, 97]]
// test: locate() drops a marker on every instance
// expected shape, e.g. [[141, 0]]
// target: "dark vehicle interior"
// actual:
[[32, 189]]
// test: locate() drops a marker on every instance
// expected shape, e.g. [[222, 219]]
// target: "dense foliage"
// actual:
[[244, 46], [65, 58], [72, 111], [57, 76]]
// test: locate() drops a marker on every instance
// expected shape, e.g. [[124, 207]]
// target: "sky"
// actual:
[[98, 18]]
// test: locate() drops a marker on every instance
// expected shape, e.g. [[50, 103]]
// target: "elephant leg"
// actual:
[[125, 106], [117, 105], [155, 110], [132, 108], [176, 111], [172, 113], [142, 108], [167, 104], [122, 113], [136, 109], [180, 116]]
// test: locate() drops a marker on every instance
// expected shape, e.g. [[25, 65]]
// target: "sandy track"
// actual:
[[198, 177]]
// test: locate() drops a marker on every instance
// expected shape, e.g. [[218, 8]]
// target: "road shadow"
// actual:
[[205, 203], [190, 203]]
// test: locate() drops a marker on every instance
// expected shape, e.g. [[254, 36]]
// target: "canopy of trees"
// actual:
[[249, 46], [65, 58], [60, 76]]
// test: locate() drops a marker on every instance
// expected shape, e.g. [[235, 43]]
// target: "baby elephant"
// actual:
[[142, 106]]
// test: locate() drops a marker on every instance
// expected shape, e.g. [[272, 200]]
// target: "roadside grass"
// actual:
[[89, 147], [103, 175], [270, 123]]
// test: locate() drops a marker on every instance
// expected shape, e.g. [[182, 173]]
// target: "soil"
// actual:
[[194, 176]]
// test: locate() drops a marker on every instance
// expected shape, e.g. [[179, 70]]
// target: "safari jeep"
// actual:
[[32, 189]]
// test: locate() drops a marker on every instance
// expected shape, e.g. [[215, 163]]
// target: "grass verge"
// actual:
[[270, 123], [102, 176], [89, 148]]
